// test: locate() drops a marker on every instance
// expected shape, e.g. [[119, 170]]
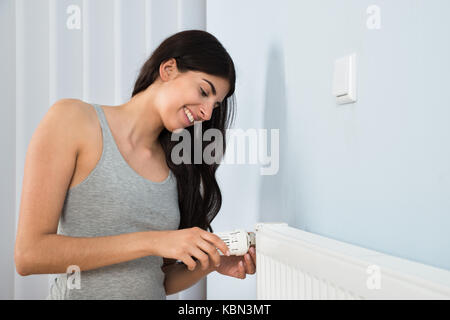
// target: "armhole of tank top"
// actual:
[[100, 161]]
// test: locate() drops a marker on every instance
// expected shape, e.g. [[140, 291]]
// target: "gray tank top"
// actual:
[[114, 199]]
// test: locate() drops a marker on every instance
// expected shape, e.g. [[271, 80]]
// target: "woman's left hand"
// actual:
[[238, 266]]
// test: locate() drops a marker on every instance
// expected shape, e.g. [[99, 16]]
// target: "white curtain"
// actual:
[[84, 49]]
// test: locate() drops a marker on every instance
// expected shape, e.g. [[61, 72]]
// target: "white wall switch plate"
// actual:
[[344, 79]]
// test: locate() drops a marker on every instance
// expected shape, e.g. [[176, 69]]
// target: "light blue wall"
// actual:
[[375, 173]]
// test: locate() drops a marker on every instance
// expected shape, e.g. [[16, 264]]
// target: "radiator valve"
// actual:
[[238, 241]]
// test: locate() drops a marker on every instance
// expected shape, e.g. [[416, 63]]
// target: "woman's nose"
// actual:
[[205, 113]]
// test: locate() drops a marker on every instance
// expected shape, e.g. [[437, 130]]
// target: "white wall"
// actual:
[[375, 173]]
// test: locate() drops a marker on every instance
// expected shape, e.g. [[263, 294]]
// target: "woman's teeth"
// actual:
[[189, 115]]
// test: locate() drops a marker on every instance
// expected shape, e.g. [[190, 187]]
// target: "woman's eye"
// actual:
[[203, 93]]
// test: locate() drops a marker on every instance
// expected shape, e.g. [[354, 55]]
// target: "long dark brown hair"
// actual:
[[195, 50]]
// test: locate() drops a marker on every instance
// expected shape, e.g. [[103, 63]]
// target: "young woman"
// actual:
[[102, 194]]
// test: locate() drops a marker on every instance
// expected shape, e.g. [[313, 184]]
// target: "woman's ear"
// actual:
[[168, 69]]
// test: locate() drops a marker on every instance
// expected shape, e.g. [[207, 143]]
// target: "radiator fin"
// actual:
[[276, 280]]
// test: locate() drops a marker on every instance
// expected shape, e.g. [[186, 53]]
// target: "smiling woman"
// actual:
[[96, 194]]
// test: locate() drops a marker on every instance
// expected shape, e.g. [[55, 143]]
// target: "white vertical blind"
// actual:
[[32, 99], [88, 50], [7, 147]]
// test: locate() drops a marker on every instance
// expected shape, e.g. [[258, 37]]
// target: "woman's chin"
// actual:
[[177, 130]]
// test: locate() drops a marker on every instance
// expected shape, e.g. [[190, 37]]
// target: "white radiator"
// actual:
[[294, 264]]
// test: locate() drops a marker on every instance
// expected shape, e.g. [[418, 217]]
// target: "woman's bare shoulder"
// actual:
[[78, 110], [81, 115], [75, 105]]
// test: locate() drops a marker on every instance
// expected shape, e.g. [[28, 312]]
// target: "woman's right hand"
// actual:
[[192, 242]]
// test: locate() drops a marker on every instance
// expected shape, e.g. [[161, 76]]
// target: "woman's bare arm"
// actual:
[[179, 278], [49, 166], [54, 253]]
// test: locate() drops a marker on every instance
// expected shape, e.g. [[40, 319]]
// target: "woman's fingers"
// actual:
[[211, 251], [251, 260], [204, 247], [252, 252], [241, 270], [189, 262], [216, 241], [201, 256], [249, 265]]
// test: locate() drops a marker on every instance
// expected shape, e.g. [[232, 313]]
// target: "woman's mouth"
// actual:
[[188, 115]]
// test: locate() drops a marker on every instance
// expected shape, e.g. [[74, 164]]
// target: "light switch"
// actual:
[[344, 79]]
